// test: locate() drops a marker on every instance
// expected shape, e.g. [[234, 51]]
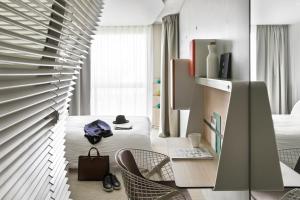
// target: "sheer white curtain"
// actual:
[[121, 63]]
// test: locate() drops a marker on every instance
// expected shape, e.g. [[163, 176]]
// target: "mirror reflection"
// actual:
[[275, 49]]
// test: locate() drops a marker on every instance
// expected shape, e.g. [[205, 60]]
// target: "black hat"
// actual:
[[120, 119]]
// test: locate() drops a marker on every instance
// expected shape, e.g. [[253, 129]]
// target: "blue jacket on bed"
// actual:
[[96, 130]]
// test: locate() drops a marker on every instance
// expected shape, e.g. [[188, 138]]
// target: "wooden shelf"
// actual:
[[231, 100], [224, 85]]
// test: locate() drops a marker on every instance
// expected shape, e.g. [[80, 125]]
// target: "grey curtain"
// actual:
[[80, 104], [273, 64], [294, 71], [169, 125]]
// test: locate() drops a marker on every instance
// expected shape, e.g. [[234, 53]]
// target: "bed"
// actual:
[[76, 144], [287, 129]]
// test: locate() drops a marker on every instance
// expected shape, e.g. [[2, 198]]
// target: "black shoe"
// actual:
[[115, 182], [107, 183]]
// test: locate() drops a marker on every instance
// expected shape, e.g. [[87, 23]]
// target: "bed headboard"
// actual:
[[296, 109]]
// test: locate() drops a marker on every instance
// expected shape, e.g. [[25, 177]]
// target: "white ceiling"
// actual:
[[275, 11], [145, 12], [171, 7], [130, 12], [137, 12]]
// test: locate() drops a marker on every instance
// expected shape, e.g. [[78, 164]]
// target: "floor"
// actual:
[[93, 190], [86, 190], [83, 190]]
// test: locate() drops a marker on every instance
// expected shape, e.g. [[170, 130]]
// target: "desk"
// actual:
[[192, 173], [291, 179], [203, 173]]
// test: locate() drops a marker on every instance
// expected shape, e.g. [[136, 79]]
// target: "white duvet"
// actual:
[[287, 131], [76, 144]]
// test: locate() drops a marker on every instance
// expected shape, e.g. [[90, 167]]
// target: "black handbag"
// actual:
[[93, 168]]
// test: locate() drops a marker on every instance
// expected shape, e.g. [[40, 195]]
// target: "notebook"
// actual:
[[192, 153]]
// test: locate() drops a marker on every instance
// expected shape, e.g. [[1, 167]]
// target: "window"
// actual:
[[121, 71]]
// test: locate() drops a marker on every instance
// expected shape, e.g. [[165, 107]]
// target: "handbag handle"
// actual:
[[98, 154]]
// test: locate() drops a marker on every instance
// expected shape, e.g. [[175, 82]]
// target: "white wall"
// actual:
[[226, 20], [275, 11], [253, 53], [156, 50], [156, 43], [294, 81]]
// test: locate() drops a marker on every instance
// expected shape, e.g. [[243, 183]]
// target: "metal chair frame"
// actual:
[[154, 167], [290, 157]]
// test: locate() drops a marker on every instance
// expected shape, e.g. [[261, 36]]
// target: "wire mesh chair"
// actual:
[[290, 157], [148, 175], [292, 195]]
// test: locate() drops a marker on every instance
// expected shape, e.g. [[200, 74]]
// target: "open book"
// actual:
[[192, 153]]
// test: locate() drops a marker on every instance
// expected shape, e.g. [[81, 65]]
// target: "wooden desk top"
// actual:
[[203, 173], [192, 173], [291, 179]]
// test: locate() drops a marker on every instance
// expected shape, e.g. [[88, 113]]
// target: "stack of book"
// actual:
[[126, 126]]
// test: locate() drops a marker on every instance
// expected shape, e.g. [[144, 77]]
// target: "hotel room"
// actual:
[[149, 100]]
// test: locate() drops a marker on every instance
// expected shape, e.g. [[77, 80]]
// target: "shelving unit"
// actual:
[[230, 99], [156, 103], [224, 85], [227, 104]]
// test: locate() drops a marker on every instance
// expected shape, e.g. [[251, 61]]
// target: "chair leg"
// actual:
[[297, 167], [157, 168], [170, 195]]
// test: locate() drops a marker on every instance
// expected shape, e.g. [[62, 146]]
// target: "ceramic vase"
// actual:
[[212, 62]]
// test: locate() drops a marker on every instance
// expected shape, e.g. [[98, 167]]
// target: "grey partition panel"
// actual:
[[265, 168], [182, 84], [43, 44], [233, 169], [248, 151]]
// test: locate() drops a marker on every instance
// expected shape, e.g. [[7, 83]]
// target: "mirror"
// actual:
[[275, 50]]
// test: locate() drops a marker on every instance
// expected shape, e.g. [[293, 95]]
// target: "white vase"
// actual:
[[212, 62]]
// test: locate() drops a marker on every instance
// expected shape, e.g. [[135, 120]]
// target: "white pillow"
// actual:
[[296, 109]]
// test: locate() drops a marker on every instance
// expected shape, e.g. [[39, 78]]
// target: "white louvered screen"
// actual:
[[43, 44]]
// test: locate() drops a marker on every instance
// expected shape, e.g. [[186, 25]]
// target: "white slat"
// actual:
[[35, 72], [15, 118], [24, 136], [43, 45], [11, 84], [16, 94], [17, 129], [45, 187], [18, 169], [36, 166], [10, 108]]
